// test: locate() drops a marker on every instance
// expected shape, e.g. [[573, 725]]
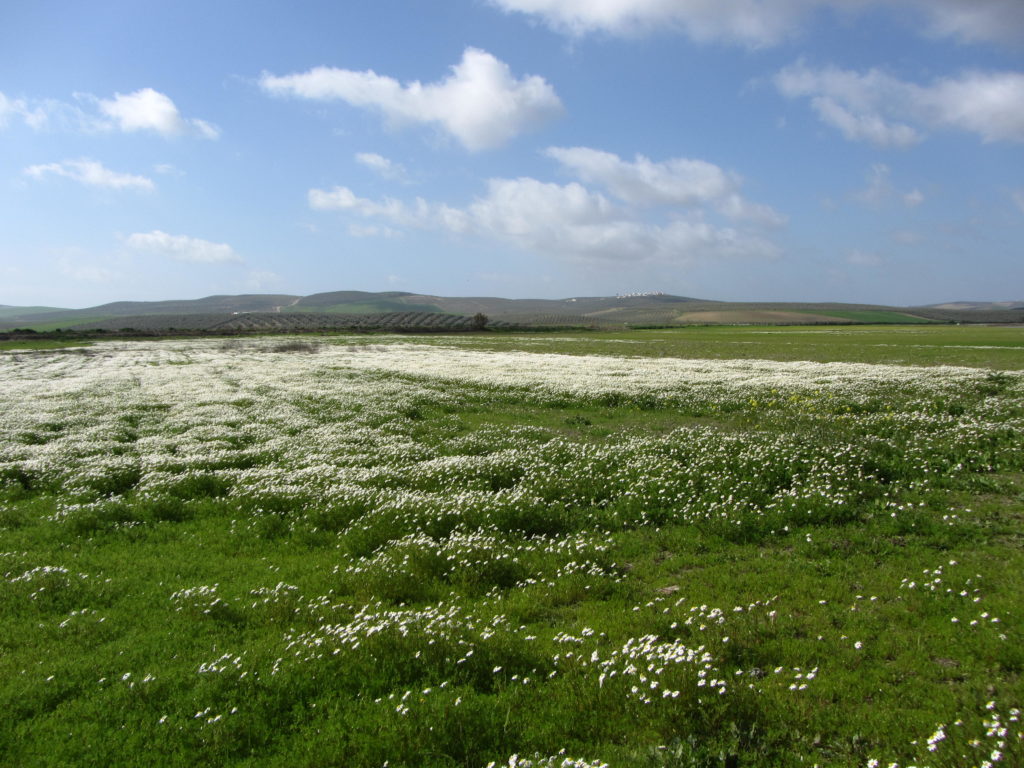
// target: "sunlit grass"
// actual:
[[249, 554]]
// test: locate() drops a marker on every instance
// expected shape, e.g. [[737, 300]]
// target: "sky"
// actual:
[[865, 151]]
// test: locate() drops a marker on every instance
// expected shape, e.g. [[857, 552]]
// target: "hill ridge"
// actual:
[[651, 308]]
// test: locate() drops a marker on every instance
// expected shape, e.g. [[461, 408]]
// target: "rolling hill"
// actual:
[[337, 309]]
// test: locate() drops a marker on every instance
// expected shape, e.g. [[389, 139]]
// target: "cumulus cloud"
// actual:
[[758, 23], [856, 104], [182, 247], [481, 103], [150, 110], [344, 199], [879, 108], [866, 126], [91, 173], [572, 221], [142, 110], [678, 181], [381, 165], [990, 104]]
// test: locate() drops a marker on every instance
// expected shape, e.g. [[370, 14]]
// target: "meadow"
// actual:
[[679, 547]]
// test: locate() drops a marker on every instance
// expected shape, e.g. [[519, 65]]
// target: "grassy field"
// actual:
[[689, 547], [1000, 348], [56, 325], [872, 316]]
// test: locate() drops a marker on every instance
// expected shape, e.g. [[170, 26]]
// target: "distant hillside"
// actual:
[[360, 302], [595, 311], [285, 322], [243, 303], [978, 305], [344, 302], [7, 311]]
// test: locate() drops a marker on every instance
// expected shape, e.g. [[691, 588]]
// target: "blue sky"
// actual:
[[774, 150]]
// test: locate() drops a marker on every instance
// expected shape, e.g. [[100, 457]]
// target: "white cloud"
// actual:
[[867, 126], [142, 110], [851, 102], [35, 117], [91, 173], [344, 199], [1018, 198], [974, 20], [182, 247], [758, 23], [381, 165], [480, 103], [877, 107], [678, 181], [751, 22], [663, 211], [150, 110], [562, 221], [569, 220], [880, 189], [913, 198], [990, 104]]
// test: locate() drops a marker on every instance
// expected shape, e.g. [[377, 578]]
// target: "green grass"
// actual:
[[869, 316], [1000, 348], [234, 530], [56, 325]]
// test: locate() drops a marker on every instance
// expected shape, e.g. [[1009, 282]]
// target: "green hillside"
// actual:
[[6, 312], [364, 307], [621, 311]]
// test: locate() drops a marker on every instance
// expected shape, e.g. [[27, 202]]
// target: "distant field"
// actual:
[[685, 548], [759, 316], [784, 316], [54, 325], [872, 316], [977, 346]]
